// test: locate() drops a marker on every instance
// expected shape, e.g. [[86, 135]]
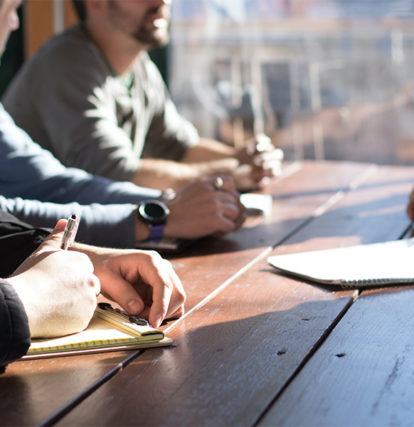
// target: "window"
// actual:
[[326, 79]]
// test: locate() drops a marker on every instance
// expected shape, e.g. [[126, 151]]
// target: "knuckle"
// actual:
[[168, 265], [153, 257], [182, 297], [169, 286]]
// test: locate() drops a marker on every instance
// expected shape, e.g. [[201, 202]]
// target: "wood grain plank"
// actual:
[[43, 387], [229, 359], [239, 350], [353, 366], [363, 374], [295, 201]]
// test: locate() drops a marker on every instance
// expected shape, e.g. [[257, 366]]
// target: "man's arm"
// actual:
[[163, 174], [30, 172], [249, 165], [106, 225], [198, 210]]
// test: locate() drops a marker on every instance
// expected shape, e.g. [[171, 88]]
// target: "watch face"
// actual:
[[153, 212]]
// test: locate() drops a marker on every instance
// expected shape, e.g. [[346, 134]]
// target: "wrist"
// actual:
[[141, 229], [151, 218]]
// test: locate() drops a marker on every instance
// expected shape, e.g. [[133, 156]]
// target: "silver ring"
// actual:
[[218, 183]]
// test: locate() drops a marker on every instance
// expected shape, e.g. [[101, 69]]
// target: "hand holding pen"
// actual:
[[57, 287], [69, 234]]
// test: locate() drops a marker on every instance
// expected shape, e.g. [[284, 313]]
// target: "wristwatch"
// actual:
[[155, 214]]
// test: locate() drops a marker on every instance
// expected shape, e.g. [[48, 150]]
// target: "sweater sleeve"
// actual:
[[101, 225], [28, 171], [14, 326]]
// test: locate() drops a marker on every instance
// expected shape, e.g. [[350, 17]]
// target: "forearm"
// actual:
[[75, 185], [163, 174], [107, 225], [32, 173], [208, 149]]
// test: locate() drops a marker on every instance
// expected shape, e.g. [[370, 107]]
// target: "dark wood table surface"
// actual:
[[256, 348]]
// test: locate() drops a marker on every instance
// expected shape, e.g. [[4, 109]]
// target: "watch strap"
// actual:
[[156, 231]]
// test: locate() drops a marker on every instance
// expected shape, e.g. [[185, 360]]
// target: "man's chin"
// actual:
[[153, 40]]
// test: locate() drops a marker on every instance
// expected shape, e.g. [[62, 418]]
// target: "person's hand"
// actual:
[[410, 206], [203, 208], [259, 160], [141, 282], [57, 288]]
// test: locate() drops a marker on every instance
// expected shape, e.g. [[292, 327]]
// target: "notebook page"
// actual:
[[99, 333], [381, 261]]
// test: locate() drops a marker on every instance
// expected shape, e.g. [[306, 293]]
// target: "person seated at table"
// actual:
[[93, 97], [53, 292], [37, 188]]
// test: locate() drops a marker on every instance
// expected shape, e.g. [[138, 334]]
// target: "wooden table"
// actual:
[[257, 348]]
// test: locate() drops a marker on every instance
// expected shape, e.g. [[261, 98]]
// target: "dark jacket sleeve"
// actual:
[[17, 241], [14, 326]]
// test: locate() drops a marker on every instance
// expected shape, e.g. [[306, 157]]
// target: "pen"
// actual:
[[70, 232]]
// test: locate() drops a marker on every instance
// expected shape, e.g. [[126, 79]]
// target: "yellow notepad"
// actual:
[[109, 330]]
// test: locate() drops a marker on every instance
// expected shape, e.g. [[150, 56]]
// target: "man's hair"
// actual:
[[80, 9]]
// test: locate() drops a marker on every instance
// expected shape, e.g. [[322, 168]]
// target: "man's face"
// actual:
[[144, 20], [8, 20]]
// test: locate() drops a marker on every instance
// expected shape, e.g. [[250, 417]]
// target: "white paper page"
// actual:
[[390, 260]]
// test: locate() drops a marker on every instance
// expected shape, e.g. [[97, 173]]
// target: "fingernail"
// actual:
[[158, 321], [134, 306]]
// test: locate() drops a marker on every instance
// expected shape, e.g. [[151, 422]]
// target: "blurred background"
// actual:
[[325, 79]]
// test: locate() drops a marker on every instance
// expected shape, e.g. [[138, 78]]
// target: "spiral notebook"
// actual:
[[362, 266], [109, 330]]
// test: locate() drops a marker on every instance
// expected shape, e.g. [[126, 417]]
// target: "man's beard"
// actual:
[[145, 37], [150, 39]]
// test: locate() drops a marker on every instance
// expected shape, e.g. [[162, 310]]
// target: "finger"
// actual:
[[159, 277], [155, 273], [222, 198], [259, 175], [268, 158], [179, 296], [54, 240], [122, 292], [60, 226], [231, 210], [95, 284], [229, 185], [162, 291], [225, 224], [262, 143], [177, 314], [226, 183]]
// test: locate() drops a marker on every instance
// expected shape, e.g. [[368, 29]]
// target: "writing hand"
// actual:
[[57, 288]]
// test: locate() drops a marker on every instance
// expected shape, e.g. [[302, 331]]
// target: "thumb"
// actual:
[[60, 226], [54, 240]]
